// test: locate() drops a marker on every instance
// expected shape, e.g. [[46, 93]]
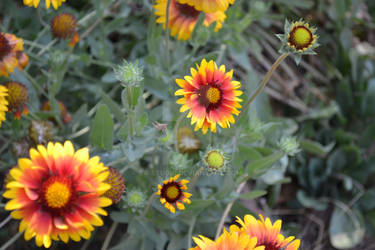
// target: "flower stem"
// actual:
[[177, 125], [195, 178], [130, 113], [265, 81], [227, 210], [167, 33], [150, 200], [109, 236], [11, 241]]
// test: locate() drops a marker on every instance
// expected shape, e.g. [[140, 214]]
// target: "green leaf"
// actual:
[[315, 147], [346, 229], [102, 128], [311, 202], [115, 108], [264, 163], [253, 194]]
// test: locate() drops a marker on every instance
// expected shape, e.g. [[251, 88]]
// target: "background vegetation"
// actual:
[[325, 194]]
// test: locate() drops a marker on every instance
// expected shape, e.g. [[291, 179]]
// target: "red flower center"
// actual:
[[57, 194], [268, 245], [209, 96], [5, 47], [171, 192], [187, 10]]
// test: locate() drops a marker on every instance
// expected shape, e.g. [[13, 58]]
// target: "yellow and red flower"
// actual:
[[210, 95], [208, 6], [64, 26], [268, 234], [172, 193], [57, 193], [35, 3], [183, 17], [17, 98], [3, 103], [11, 49], [227, 241]]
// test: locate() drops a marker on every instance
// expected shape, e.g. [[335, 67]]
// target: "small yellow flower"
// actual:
[[172, 194], [3, 103], [35, 3], [301, 37]]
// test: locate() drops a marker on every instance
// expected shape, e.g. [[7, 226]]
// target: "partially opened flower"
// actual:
[[3, 103], [35, 3], [117, 182], [57, 193], [208, 6], [187, 141], [298, 38], [183, 17], [210, 95], [11, 49], [64, 26], [227, 241], [17, 98], [172, 193], [268, 234]]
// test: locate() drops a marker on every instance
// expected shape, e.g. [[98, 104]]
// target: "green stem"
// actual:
[[167, 33], [190, 232], [265, 81], [176, 131], [109, 236], [195, 178], [130, 111], [149, 202]]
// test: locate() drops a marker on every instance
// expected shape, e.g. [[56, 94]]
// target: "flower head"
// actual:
[[208, 6], [227, 241], [187, 141], [210, 95], [215, 161], [117, 182], [289, 145], [17, 98], [172, 194], [298, 38], [3, 103], [64, 26], [268, 234], [57, 193], [34, 3], [65, 116], [135, 199], [129, 73], [11, 49], [183, 17], [23, 60]]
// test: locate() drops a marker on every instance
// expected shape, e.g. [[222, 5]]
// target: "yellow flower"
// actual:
[[172, 194], [11, 54], [64, 26], [210, 95], [57, 193], [3, 103], [268, 234], [208, 6], [183, 17], [227, 241], [34, 3], [301, 37]]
